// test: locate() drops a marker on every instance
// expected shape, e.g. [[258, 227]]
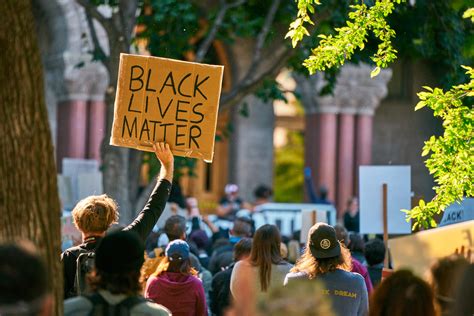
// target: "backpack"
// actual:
[[84, 264], [102, 308]]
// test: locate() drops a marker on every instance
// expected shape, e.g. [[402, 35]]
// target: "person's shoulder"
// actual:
[[283, 266], [77, 306], [353, 276], [286, 264], [149, 308], [76, 250], [297, 276], [358, 267], [242, 264], [73, 250], [222, 275]]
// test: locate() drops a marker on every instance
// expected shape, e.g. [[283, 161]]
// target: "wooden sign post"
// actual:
[[385, 222]]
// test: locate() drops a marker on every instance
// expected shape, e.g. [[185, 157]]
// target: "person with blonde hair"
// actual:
[[175, 284], [95, 214], [326, 260]]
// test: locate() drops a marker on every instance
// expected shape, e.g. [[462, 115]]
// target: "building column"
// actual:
[[71, 131], [96, 128], [251, 147], [339, 127], [325, 172], [320, 134], [364, 139], [345, 161]]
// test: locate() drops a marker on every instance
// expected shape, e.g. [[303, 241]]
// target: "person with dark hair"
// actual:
[[262, 195], [175, 227], [23, 282], [403, 293], [357, 247], [445, 275], [327, 260], [198, 238], [375, 255], [174, 283], [114, 282], [351, 215], [231, 203], [222, 256], [265, 266], [344, 237], [463, 302], [220, 293], [95, 214]]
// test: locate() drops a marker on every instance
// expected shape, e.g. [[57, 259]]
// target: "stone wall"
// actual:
[[400, 132]]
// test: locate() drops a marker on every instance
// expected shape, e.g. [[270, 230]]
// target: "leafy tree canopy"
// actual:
[[433, 30]]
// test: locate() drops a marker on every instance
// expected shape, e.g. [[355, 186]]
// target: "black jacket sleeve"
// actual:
[[69, 263], [147, 218]]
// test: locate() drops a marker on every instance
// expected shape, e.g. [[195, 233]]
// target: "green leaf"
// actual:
[[469, 13], [375, 72], [420, 105], [421, 203]]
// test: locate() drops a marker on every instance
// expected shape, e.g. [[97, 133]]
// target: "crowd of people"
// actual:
[[191, 266]]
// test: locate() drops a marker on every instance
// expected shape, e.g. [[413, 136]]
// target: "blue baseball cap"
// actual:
[[178, 249]]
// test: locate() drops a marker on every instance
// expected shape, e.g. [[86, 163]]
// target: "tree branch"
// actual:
[[251, 84], [93, 12], [204, 47], [262, 36], [95, 40], [128, 18]]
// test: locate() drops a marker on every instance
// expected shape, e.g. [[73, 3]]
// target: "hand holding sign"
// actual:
[[167, 100], [164, 155]]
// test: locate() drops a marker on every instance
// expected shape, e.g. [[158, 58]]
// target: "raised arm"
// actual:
[[165, 156], [149, 215]]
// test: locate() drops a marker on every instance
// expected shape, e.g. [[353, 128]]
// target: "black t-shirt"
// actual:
[[142, 225], [351, 223], [220, 293]]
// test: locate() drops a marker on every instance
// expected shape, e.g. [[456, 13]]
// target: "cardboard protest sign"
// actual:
[[291, 217], [371, 179], [308, 219], [418, 251], [161, 99], [458, 212]]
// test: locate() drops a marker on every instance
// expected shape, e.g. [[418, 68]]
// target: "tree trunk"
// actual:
[[29, 203]]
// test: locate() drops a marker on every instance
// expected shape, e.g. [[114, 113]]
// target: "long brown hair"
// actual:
[[312, 267], [176, 265], [265, 252]]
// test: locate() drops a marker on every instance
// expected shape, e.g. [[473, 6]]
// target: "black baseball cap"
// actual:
[[323, 242]]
